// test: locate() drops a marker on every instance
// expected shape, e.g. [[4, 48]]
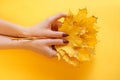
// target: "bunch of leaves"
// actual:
[[82, 38]]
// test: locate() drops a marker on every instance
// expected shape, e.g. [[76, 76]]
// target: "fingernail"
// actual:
[[53, 47], [65, 41], [65, 35], [54, 28]]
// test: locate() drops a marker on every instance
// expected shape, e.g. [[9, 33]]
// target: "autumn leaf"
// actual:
[[82, 38]]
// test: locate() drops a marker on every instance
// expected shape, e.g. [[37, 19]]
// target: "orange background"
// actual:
[[27, 65]]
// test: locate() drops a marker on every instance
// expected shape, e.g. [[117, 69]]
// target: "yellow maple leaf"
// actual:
[[82, 38]]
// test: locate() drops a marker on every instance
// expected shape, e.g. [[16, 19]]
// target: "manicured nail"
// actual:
[[54, 28], [65, 41], [53, 47], [65, 35]]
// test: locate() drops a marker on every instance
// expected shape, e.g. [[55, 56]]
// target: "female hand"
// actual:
[[46, 29], [42, 46]]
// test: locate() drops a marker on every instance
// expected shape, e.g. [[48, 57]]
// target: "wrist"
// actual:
[[29, 32], [20, 44], [26, 32]]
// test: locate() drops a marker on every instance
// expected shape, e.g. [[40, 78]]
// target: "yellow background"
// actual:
[[27, 65]]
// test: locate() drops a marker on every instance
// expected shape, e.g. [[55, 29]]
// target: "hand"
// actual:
[[43, 45], [46, 29]]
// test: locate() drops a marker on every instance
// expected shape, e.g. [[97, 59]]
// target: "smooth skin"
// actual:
[[45, 32]]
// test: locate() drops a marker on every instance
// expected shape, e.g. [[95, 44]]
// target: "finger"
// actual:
[[56, 25], [50, 52], [56, 34], [56, 41], [54, 18], [47, 51]]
